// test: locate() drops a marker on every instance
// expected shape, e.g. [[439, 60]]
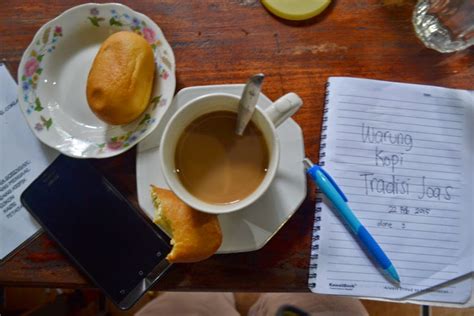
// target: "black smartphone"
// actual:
[[111, 241]]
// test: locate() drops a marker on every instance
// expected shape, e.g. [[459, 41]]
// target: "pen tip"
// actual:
[[393, 274]]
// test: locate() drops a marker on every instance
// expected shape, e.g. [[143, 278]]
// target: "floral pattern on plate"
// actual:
[[125, 140], [32, 72], [42, 103], [127, 21]]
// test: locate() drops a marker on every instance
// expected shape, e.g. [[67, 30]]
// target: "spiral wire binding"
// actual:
[[317, 211]]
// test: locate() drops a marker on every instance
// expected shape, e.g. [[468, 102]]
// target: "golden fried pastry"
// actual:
[[121, 78], [195, 235]]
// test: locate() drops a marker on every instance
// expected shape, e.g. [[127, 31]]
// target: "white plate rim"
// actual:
[[50, 24]]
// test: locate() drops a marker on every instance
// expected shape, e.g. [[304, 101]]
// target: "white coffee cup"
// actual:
[[266, 120]]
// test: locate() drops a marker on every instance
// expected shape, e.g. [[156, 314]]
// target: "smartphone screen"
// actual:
[[111, 241]]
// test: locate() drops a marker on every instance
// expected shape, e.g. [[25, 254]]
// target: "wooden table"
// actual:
[[225, 41]]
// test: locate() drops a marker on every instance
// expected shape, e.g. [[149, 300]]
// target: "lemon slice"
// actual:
[[296, 9]]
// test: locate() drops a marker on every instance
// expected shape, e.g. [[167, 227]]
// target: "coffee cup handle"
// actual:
[[283, 108]]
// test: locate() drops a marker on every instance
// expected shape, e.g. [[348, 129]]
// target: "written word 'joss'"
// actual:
[[435, 192]]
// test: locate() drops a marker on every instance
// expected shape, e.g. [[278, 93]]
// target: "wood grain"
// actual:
[[223, 41]]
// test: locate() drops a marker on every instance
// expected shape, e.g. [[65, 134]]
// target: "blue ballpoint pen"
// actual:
[[331, 190]]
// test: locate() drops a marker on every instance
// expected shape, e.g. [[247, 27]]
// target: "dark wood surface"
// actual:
[[225, 42]]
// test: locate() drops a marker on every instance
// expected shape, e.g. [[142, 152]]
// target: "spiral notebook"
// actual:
[[403, 155]]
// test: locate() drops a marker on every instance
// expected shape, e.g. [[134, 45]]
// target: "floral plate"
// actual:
[[53, 74]]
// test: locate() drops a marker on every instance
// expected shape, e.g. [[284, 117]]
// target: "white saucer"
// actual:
[[251, 228]]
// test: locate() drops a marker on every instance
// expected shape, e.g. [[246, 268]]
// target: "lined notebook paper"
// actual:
[[403, 155]]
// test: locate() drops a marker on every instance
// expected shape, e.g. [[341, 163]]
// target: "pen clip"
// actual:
[[332, 182]]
